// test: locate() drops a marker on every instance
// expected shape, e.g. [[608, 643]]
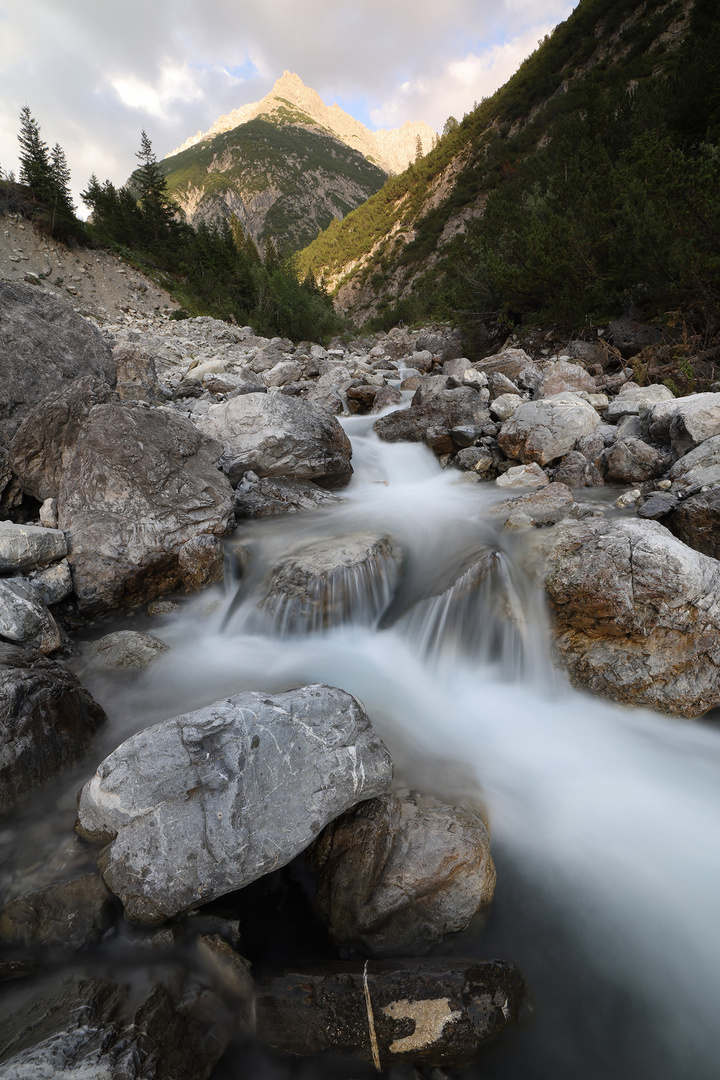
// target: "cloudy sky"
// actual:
[[94, 73]]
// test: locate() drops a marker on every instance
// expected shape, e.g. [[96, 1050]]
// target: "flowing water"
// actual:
[[605, 820]]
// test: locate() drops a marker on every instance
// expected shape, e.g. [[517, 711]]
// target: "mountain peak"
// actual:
[[391, 151]]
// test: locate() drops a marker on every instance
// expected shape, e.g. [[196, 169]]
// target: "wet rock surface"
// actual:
[[46, 721], [399, 872], [263, 496], [205, 803], [423, 1012], [328, 582], [126, 649]]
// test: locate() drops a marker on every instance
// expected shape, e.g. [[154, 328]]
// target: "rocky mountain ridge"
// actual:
[[392, 151]]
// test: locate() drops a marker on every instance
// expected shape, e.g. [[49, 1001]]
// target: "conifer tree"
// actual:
[[35, 166]]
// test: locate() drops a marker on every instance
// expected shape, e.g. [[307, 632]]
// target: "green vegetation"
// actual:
[[212, 270], [596, 170], [43, 191], [274, 152]]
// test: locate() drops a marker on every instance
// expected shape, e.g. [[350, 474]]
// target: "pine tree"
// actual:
[[150, 188], [418, 148], [35, 167]]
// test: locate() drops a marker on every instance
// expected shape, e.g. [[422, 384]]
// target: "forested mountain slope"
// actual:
[[587, 183]]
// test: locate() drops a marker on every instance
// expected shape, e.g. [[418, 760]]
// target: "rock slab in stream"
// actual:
[[44, 344], [275, 435], [46, 721], [399, 872], [141, 483], [637, 613], [424, 1012], [203, 804]]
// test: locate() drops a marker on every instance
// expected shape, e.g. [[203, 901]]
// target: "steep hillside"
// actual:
[[287, 166], [615, 72]]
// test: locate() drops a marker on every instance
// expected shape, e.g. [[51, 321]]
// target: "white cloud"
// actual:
[[94, 74]]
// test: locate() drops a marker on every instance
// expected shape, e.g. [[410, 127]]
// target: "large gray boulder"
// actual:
[[697, 469], [276, 435], [46, 721], [434, 411], [685, 422], [27, 547], [637, 614], [44, 344], [542, 431], [632, 398], [141, 483], [696, 521], [45, 441], [330, 581], [203, 804], [562, 376], [399, 872], [633, 461]]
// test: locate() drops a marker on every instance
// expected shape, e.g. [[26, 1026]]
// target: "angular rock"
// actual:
[[576, 471], [433, 406], [274, 435], [547, 506], [685, 422], [169, 1027], [563, 376], [509, 362], [399, 872], [698, 468], [24, 618], [46, 721], [541, 431], [637, 614], [477, 459], [659, 505], [53, 584], [26, 547], [424, 1012], [527, 476], [127, 649], [44, 344], [260, 497], [632, 398], [630, 334], [331, 581], [205, 803], [201, 562], [136, 375], [68, 914], [45, 441], [500, 386], [142, 482], [696, 521], [505, 406], [633, 461]]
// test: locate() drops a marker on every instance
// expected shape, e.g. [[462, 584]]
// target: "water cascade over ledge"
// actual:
[[604, 819]]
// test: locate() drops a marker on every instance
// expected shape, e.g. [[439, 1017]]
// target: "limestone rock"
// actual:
[[563, 376], [541, 431], [142, 482], [399, 872], [201, 562], [27, 547], [637, 613], [127, 649], [46, 720], [632, 398], [44, 344], [24, 618], [260, 497], [45, 441], [433, 406], [273, 435], [68, 914], [332, 580], [205, 803], [576, 471], [698, 468], [527, 476], [53, 584], [550, 504], [685, 422], [509, 362], [696, 521], [425, 1012], [633, 461]]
